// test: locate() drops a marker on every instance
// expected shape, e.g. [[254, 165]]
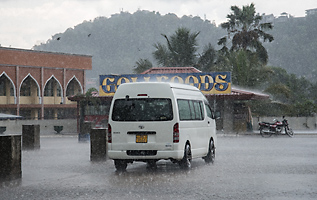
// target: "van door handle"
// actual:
[[208, 122]]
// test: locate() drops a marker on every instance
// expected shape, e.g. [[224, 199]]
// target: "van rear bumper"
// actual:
[[175, 154]]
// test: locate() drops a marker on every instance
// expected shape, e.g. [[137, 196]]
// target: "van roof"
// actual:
[[172, 85]]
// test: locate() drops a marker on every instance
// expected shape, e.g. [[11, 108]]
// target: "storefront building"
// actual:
[[227, 101], [35, 84]]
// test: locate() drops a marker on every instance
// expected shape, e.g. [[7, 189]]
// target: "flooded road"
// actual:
[[246, 167]]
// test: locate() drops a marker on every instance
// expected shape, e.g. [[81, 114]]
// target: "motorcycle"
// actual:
[[267, 129]]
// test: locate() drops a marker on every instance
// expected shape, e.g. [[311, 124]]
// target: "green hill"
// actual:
[[117, 42]]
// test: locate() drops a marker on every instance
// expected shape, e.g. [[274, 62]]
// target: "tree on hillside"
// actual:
[[295, 93], [180, 50], [247, 30], [207, 60], [294, 46], [246, 58], [142, 65]]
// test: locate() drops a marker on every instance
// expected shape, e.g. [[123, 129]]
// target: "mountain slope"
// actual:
[[116, 43]]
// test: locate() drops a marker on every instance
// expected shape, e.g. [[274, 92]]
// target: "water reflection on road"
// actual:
[[247, 167]]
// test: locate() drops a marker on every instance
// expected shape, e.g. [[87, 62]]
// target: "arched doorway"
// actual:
[[29, 94], [73, 88], [53, 92], [7, 90], [52, 95]]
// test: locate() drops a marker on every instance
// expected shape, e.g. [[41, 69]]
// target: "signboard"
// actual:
[[208, 83]]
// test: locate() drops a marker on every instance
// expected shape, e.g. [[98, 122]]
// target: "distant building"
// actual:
[[311, 11], [268, 18], [34, 84], [284, 17]]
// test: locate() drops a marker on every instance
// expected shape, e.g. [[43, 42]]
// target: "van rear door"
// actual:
[[142, 124]]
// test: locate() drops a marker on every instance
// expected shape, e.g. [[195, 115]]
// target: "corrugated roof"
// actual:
[[171, 70], [238, 94]]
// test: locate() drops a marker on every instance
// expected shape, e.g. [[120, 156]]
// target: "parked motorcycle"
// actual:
[[267, 129]]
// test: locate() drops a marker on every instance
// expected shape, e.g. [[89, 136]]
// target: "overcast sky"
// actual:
[[24, 23]]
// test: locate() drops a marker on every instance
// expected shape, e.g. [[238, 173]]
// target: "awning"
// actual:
[[7, 116], [239, 94]]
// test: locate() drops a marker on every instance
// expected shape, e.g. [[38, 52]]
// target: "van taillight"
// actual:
[[175, 133], [109, 134]]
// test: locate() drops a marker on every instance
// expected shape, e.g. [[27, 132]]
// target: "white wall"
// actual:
[[46, 126], [296, 123]]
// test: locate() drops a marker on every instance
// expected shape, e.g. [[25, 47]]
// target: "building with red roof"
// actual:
[[35, 84], [171, 70]]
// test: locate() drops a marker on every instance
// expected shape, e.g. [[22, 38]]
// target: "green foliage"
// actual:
[[246, 69], [208, 58], [118, 42], [279, 91], [296, 94], [90, 91], [294, 45], [247, 56], [142, 65], [247, 30], [304, 108], [268, 108], [180, 50]]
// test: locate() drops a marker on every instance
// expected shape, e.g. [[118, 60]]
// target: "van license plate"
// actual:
[[141, 139]]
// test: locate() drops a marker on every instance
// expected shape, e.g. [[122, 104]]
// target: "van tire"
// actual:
[[185, 163], [210, 158], [120, 165]]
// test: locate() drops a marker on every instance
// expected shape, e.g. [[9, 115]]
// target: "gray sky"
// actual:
[[24, 23]]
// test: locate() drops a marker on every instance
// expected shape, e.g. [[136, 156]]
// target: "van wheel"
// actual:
[[210, 158], [185, 163], [120, 165]]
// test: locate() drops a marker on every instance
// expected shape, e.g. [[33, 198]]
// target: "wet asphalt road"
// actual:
[[246, 167]]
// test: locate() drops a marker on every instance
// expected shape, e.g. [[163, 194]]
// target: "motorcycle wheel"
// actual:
[[289, 132], [265, 132]]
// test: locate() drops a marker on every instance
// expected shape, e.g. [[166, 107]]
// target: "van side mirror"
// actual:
[[216, 115]]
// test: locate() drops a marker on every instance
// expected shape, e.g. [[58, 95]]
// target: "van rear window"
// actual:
[[142, 109]]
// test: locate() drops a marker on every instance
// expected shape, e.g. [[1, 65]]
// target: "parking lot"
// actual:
[[246, 167]]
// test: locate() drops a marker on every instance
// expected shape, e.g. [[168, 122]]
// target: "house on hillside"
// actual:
[[311, 12]]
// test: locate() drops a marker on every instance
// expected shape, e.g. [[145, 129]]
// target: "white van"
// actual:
[[150, 121]]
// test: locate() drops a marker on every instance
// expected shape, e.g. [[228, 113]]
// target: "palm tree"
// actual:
[[180, 50], [246, 58], [207, 60], [142, 65], [247, 30]]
